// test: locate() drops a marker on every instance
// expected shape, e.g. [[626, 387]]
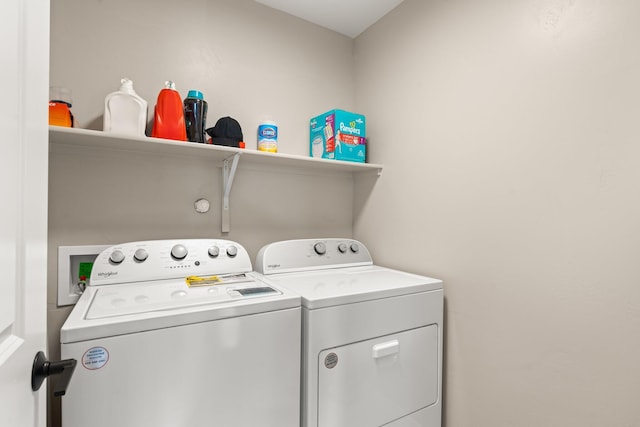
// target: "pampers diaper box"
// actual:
[[339, 135]]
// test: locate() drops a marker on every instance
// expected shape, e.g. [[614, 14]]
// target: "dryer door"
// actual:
[[374, 382]]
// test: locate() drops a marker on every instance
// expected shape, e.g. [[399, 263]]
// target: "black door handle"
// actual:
[[42, 368]]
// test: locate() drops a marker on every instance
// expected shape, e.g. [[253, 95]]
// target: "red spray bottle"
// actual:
[[168, 120]]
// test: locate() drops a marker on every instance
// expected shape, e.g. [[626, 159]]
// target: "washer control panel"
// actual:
[[167, 259], [311, 254]]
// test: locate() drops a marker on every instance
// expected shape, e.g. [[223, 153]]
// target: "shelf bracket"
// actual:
[[229, 167]]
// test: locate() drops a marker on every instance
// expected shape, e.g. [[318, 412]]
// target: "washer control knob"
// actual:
[[214, 251], [179, 252], [342, 247], [116, 257], [141, 255], [320, 248], [355, 248], [232, 251]]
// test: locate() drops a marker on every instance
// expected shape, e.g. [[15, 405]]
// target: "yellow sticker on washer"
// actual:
[[226, 279], [202, 281]]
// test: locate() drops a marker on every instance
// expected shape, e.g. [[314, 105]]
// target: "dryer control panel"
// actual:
[[311, 254], [168, 259]]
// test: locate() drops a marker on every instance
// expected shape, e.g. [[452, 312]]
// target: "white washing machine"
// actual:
[[372, 336], [154, 351]]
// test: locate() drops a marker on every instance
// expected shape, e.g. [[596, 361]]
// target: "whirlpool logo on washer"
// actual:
[[273, 266], [107, 274]]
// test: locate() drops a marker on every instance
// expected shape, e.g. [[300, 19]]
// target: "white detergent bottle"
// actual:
[[124, 111]]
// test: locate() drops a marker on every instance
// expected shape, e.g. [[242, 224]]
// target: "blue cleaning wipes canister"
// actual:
[[268, 136]]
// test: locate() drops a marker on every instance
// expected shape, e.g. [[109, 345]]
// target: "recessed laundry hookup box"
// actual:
[[339, 135]]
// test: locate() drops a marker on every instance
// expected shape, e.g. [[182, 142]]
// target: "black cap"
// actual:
[[227, 131]]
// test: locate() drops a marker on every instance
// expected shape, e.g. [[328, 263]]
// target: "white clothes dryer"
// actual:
[[153, 350], [372, 336]]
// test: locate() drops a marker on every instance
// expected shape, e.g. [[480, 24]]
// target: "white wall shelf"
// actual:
[[228, 157]]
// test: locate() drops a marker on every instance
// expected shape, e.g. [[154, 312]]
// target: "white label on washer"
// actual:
[[95, 358]]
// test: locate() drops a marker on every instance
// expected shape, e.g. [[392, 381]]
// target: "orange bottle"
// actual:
[[60, 107], [168, 119], [60, 114]]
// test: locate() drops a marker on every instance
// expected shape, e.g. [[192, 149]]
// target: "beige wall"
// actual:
[[249, 61], [509, 134]]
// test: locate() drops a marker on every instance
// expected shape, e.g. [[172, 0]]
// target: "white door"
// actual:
[[24, 77]]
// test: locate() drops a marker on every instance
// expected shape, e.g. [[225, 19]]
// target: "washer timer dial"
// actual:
[[179, 252]]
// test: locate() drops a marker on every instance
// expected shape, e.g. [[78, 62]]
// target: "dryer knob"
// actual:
[[355, 248], [320, 248], [214, 251], [116, 257], [179, 252], [342, 247], [141, 255], [232, 251]]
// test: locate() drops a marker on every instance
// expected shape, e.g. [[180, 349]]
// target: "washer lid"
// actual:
[[326, 288], [105, 311], [113, 301]]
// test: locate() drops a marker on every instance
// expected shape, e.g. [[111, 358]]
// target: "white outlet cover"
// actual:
[[67, 294]]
